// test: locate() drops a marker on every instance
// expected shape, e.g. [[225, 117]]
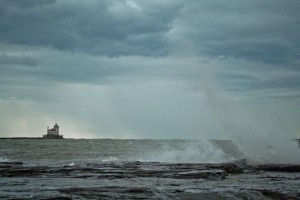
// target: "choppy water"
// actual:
[[60, 152], [139, 169]]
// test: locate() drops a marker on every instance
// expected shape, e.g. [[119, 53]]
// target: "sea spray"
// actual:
[[256, 143], [197, 151], [4, 159]]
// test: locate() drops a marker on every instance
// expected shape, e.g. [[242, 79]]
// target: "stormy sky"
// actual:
[[150, 69]]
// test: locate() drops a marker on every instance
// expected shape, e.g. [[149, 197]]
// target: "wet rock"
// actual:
[[7, 165], [150, 180], [278, 195], [110, 192], [278, 167]]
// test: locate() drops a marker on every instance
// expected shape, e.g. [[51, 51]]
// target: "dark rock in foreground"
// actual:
[[150, 180], [278, 167]]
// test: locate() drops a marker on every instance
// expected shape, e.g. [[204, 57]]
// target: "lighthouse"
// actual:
[[53, 133]]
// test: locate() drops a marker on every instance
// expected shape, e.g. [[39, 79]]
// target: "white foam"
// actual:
[[110, 159], [193, 152], [4, 159]]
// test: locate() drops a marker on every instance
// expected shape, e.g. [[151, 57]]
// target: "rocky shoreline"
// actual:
[[150, 180]]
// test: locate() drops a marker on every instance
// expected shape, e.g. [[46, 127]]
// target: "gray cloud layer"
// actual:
[[250, 50], [99, 27], [264, 31]]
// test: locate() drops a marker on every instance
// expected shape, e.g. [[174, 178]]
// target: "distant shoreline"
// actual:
[[16, 138], [21, 138], [3, 138]]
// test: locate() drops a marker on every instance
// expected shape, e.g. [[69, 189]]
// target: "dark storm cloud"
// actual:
[[263, 31], [69, 41], [248, 83], [27, 70], [242, 78], [257, 30], [98, 27], [26, 3], [17, 60]]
